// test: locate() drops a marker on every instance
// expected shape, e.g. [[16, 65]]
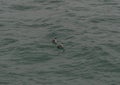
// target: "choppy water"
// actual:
[[89, 29]]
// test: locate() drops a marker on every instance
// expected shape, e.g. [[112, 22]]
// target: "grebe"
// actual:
[[60, 46], [54, 41]]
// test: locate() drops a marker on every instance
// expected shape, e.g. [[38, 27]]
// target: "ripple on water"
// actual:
[[7, 41], [21, 7], [40, 1], [31, 53], [31, 58], [49, 1], [1, 25], [65, 30], [109, 19]]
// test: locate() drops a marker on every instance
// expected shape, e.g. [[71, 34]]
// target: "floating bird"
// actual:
[[54, 41], [60, 46]]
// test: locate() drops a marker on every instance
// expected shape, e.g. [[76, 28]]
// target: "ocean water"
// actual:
[[89, 29]]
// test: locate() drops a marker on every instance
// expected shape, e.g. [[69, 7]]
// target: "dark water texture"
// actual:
[[89, 29]]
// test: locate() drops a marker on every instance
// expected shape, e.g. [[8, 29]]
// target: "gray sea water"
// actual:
[[89, 29]]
